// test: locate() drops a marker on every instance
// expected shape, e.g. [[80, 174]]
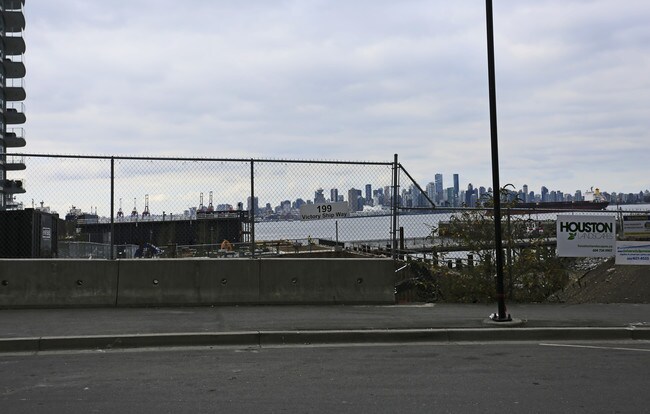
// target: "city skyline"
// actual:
[[465, 197], [377, 193], [351, 81], [176, 185]]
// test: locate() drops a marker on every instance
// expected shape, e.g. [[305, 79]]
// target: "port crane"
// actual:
[[146, 212], [120, 213], [210, 206], [201, 208]]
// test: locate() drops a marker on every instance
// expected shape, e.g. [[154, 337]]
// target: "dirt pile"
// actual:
[[608, 283]]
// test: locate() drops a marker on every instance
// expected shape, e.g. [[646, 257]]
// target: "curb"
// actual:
[[321, 337]]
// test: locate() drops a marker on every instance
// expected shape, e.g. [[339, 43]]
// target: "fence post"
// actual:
[[509, 254], [111, 255], [394, 206], [252, 208]]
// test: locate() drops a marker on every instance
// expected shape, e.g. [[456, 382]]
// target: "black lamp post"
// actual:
[[501, 315]]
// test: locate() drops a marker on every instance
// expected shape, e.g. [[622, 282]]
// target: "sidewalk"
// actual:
[[50, 329]]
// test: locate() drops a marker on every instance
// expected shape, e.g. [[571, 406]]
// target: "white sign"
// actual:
[[637, 226], [46, 233], [586, 236], [324, 211], [633, 253]]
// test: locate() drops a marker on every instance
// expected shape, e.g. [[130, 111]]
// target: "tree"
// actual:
[[465, 270]]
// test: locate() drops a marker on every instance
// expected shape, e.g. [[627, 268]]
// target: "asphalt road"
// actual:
[[495, 377]]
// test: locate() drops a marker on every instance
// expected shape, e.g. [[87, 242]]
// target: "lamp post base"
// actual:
[[495, 317]]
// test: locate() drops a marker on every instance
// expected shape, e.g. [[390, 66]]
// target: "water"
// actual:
[[349, 229], [629, 207], [353, 229], [378, 228]]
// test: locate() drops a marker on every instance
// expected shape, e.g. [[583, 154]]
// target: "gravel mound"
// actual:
[[605, 282]]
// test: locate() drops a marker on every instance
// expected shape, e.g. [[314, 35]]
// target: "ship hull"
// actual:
[[561, 206]]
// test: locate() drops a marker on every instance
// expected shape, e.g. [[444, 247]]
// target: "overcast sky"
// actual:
[[350, 80]]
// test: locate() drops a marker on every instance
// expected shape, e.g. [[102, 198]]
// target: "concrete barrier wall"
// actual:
[[170, 282], [166, 282], [57, 283], [324, 281]]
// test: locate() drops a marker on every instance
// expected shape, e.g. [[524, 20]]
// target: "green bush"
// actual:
[[531, 273]]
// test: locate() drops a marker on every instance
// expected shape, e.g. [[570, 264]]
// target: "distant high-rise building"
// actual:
[[449, 197], [419, 200], [368, 193], [378, 197], [456, 185], [284, 207], [482, 194], [431, 192], [544, 194], [387, 196], [334, 195], [439, 189], [253, 205], [298, 203], [319, 198], [406, 199], [354, 200], [524, 197], [468, 195]]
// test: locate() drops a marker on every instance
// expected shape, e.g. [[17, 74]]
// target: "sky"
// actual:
[[350, 80]]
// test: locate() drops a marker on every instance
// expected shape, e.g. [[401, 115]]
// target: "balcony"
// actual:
[[14, 70], [14, 45], [14, 90], [15, 114], [14, 163], [15, 138], [15, 93], [14, 186], [14, 21], [14, 4]]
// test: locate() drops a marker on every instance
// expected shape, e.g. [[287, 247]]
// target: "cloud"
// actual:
[[349, 80]]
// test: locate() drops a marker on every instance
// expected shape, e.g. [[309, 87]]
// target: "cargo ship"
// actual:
[[564, 205], [75, 214], [593, 200]]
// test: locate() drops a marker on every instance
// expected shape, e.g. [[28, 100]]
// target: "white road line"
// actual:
[[597, 347]]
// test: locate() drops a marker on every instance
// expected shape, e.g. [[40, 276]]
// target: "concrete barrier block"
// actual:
[[19, 345], [57, 283], [166, 282], [327, 281]]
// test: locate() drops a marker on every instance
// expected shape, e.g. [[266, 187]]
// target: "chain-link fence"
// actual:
[[122, 207], [451, 236], [451, 256]]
